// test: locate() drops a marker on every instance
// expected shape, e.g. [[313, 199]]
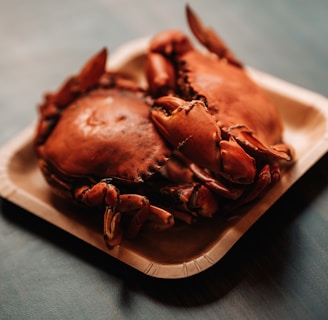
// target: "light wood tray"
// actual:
[[184, 250]]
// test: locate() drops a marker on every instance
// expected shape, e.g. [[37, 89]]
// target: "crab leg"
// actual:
[[112, 231], [193, 198], [159, 219], [247, 139], [99, 195], [267, 176], [116, 205], [260, 184], [215, 185], [180, 170]]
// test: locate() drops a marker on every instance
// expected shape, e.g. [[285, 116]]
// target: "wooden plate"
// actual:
[[184, 250]]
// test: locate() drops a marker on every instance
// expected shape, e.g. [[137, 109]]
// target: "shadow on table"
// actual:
[[255, 261]]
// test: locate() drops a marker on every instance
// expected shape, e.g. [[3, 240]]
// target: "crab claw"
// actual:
[[182, 123], [87, 77], [67, 92], [189, 128], [208, 38], [161, 74]]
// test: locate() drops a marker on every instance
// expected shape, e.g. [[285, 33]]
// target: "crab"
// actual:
[[97, 146], [207, 107], [89, 143]]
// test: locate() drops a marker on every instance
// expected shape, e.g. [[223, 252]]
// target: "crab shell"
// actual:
[[105, 133], [231, 96]]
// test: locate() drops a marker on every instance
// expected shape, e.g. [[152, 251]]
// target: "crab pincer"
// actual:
[[191, 129]]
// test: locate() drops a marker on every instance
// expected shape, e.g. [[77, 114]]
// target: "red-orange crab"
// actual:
[[96, 144], [214, 114], [89, 142]]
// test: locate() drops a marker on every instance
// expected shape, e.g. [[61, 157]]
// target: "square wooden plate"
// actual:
[[185, 250]]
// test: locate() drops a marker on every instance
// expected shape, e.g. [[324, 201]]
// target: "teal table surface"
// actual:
[[279, 268]]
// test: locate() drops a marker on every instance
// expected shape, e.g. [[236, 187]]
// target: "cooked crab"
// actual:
[[209, 109], [95, 141]]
